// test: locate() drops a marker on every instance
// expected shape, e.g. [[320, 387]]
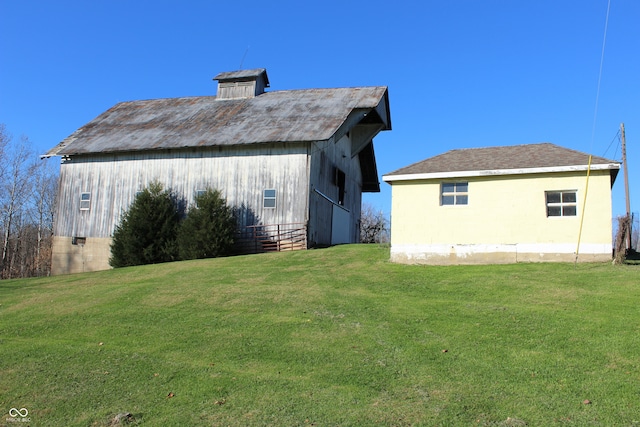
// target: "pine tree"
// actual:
[[147, 231], [208, 230]]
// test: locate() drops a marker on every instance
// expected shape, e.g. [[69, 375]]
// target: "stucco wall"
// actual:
[[504, 221]]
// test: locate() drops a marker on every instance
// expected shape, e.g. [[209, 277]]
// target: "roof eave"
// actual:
[[499, 172]]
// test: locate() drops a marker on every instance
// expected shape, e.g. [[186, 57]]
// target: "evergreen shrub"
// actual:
[[209, 228], [148, 230]]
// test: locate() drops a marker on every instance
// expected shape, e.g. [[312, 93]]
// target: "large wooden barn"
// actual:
[[293, 162]]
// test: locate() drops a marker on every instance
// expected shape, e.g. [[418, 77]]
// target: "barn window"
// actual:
[[269, 198], [561, 203], [454, 193], [199, 193], [85, 201]]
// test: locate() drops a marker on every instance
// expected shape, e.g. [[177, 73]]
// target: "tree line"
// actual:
[[28, 188]]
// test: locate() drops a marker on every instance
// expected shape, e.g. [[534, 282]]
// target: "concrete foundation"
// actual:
[[497, 254], [71, 255]]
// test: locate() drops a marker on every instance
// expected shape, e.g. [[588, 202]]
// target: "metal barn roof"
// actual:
[[278, 116], [253, 74]]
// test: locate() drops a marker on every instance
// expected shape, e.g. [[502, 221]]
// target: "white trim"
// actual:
[[85, 204], [493, 172]]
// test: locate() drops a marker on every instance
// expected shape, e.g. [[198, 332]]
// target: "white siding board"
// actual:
[[240, 175]]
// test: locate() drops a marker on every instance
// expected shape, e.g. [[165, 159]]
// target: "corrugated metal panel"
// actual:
[[279, 116]]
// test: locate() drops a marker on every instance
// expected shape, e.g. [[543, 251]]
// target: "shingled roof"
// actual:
[[516, 159], [278, 116]]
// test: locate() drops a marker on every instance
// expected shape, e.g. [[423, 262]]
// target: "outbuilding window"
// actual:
[[561, 203], [85, 201], [454, 193], [269, 198]]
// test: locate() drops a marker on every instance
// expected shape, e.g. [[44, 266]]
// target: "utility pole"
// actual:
[[626, 183]]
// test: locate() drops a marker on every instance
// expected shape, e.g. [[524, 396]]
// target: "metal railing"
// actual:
[[271, 238]]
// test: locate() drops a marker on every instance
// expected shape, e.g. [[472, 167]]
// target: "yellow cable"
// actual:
[[584, 206]]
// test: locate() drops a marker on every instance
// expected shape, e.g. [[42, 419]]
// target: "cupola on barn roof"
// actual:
[[241, 84]]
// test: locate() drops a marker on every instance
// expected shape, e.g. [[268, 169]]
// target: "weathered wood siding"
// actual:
[[328, 155], [241, 174]]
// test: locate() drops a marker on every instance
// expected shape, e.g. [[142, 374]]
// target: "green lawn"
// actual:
[[330, 337]]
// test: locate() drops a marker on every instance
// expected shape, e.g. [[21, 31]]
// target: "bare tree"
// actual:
[[43, 202], [622, 236], [635, 234], [373, 225], [14, 191], [5, 138], [27, 190]]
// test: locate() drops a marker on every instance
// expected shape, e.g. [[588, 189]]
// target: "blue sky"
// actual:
[[461, 73]]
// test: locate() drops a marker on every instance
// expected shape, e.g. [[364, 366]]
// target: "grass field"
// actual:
[[330, 337]]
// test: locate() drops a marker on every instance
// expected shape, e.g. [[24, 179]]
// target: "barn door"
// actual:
[[340, 225]]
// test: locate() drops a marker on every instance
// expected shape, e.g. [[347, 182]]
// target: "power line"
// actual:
[[593, 131], [616, 136], [604, 42], [243, 57]]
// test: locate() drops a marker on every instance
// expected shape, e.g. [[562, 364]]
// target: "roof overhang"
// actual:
[[367, 158], [613, 167]]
